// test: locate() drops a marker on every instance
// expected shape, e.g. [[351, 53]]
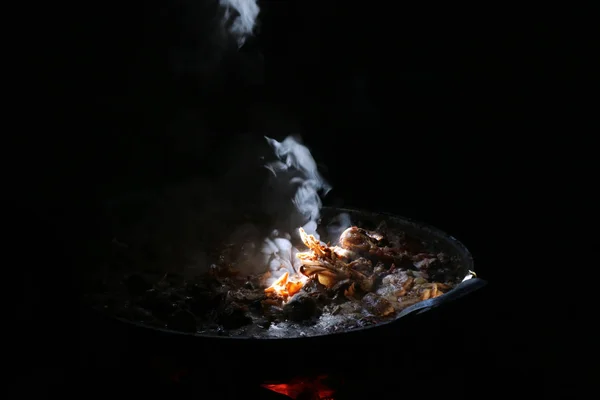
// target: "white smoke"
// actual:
[[337, 226], [296, 164], [280, 255], [298, 176], [210, 33], [240, 17]]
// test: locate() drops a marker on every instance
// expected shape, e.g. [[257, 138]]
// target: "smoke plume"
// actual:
[[240, 17], [295, 172], [336, 226], [210, 34], [176, 228], [296, 186]]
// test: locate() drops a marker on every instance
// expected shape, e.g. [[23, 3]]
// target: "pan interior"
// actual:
[[439, 240]]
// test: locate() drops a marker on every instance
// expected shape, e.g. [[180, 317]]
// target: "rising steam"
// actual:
[[297, 170], [295, 173], [240, 18], [292, 199]]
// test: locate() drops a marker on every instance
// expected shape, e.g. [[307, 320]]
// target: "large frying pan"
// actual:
[[250, 354]]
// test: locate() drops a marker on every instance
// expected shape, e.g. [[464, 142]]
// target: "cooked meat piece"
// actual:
[[377, 305], [301, 307]]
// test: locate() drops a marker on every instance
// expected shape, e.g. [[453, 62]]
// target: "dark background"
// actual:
[[438, 114]]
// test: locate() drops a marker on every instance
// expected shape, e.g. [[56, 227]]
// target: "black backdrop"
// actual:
[[427, 113]]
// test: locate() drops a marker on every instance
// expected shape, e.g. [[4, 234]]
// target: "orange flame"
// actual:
[[285, 286], [309, 388]]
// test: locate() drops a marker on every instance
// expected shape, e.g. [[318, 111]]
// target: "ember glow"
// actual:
[[287, 286], [305, 387]]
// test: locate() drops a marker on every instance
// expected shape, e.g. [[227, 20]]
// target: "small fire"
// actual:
[[304, 388], [287, 286]]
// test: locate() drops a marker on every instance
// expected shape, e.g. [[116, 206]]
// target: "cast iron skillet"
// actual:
[[231, 353]]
